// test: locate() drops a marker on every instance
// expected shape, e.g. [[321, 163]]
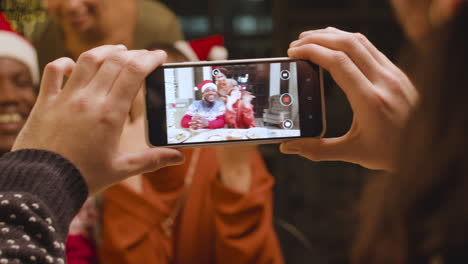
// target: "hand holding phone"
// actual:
[[380, 94]]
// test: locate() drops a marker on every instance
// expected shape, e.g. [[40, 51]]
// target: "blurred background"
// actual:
[[314, 202]]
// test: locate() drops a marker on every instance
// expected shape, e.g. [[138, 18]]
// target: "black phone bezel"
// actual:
[[310, 103]]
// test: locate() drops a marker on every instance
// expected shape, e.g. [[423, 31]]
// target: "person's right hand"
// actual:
[[231, 100], [198, 122], [380, 94], [83, 122], [194, 123]]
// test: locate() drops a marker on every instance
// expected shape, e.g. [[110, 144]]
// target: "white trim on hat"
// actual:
[[218, 53], [184, 47], [208, 85], [16, 47]]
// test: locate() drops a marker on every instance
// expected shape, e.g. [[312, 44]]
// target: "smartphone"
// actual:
[[232, 102]]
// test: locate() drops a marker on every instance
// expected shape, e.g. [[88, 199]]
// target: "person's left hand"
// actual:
[[380, 94], [231, 100]]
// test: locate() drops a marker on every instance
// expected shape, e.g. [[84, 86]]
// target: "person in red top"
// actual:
[[239, 108], [205, 113]]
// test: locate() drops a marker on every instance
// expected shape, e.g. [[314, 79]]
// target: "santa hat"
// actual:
[[15, 46], [210, 48], [206, 84]]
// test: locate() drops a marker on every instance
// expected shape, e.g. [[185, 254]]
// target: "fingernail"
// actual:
[[162, 52], [292, 51], [176, 160], [121, 46], [290, 149], [295, 43]]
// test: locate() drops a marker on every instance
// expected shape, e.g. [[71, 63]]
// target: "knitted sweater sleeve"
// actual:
[[40, 192]]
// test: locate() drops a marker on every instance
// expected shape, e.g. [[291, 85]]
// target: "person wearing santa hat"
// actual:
[[205, 113], [19, 74]]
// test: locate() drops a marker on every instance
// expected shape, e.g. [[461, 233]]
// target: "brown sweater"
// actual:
[[215, 224]]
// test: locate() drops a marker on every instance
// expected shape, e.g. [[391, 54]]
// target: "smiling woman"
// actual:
[[18, 75]]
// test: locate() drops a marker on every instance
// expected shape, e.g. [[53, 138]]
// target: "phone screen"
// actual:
[[231, 102]]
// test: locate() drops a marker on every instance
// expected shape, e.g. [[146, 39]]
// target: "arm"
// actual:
[[230, 117], [248, 116], [185, 123], [40, 193], [217, 123], [243, 211]]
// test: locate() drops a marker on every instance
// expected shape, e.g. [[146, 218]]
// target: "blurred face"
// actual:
[[210, 94], [17, 98], [77, 15], [414, 16], [221, 79]]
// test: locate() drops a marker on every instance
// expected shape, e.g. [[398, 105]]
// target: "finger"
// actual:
[[352, 45], [343, 70], [321, 149], [52, 79], [111, 67], [321, 30], [147, 160], [88, 64], [376, 54], [132, 76]]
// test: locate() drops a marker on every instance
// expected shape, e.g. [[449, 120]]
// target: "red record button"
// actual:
[[286, 99]]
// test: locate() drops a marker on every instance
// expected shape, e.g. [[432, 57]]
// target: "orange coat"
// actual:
[[215, 225]]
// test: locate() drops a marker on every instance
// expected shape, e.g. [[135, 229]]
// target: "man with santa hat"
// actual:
[[19, 75], [206, 113]]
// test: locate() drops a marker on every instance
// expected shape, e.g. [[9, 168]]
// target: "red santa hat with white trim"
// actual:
[[206, 84], [209, 48], [15, 46]]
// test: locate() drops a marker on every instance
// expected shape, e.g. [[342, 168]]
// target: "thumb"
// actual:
[[320, 149], [148, 160]]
